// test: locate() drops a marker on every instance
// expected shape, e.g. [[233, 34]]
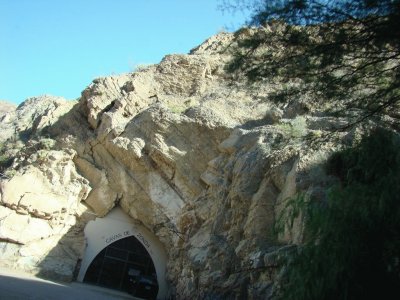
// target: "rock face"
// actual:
[[205, 165], [7, 114]]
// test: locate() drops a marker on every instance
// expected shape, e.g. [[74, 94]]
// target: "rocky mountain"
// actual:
[[201, 159]]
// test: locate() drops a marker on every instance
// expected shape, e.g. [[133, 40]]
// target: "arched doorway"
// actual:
[[119, 250], [124, 265]]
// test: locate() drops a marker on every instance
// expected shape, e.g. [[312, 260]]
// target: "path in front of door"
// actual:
[[17, 285]]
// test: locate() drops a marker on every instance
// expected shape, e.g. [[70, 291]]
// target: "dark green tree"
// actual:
[[345, 57], [352, 241], [341, 55]]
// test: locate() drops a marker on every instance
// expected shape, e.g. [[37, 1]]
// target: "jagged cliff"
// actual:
[[201, 159]]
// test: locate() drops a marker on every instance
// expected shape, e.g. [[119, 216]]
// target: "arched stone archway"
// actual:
[[124, 265], [115, 229]]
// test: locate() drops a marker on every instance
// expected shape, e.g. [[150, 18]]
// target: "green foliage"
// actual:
[[343, 51], [352, 240], [296, 128], [306, 12], [177, 109], [46, 143], [292, 211], [5, 159]]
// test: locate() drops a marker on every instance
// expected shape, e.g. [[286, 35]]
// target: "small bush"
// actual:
[[296, 128], [5, 159], [46, 143]]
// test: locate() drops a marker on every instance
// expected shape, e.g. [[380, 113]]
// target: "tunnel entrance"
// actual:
[[124, 265], [123, 255]]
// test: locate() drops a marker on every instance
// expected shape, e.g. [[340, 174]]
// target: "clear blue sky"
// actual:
[[58, 47]]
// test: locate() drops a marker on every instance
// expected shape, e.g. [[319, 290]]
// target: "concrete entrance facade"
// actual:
[[117, 225]]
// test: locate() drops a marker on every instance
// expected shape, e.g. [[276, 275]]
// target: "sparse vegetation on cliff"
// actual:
[[5, 159], [340, 56]]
